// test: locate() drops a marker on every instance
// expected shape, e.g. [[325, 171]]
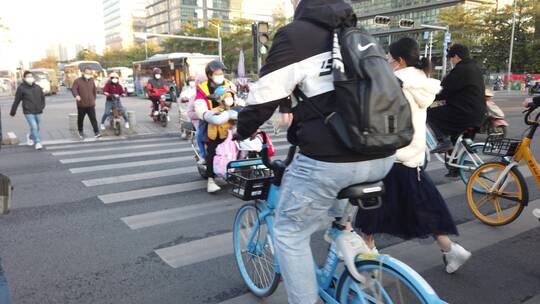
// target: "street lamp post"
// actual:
[[511, 42], [220, 46]]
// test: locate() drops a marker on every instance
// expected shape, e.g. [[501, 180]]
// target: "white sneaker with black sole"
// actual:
[[455, 258], [39, 146]]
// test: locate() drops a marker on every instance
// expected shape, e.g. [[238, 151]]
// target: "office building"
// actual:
[[58, 51], [122, 18], [168, 16]]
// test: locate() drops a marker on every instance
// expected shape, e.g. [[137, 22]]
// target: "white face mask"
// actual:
[[114, 80], [192, 84], [87, 76], [229, 101], [158, 76], [218, 79], [29, 80]]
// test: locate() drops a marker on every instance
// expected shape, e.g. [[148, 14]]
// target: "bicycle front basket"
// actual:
[[249, 178], [497, 145]]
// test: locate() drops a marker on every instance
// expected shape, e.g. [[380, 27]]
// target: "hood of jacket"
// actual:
[[329, 14], [416, 83]]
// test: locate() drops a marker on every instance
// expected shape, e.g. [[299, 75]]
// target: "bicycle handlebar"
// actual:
[[266, 159], [529, 111]]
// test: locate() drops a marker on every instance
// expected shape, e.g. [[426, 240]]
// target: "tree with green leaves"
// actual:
[[466, 24], [88, 55], [50, 62], [239, 37], [126, 57], [496, 43]]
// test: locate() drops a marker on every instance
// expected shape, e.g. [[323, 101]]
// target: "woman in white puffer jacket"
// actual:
[[412, 206]]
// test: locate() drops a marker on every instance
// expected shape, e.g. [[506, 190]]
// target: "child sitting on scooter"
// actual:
[[220, 119]]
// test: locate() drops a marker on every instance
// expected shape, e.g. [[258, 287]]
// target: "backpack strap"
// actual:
[[300, 96]]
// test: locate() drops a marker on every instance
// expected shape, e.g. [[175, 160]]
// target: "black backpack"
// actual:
[[372, 115]]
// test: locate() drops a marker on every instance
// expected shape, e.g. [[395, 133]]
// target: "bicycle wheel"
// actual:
[[117, 128], [254, 251], [502, 205], [163, 119], [473, 160], [384, 285]]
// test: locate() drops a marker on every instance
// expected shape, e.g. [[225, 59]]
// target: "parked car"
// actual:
[[47, 80], [6, 87], [130, 86]]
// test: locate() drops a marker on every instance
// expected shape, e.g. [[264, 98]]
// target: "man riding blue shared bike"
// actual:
[[324, 166]]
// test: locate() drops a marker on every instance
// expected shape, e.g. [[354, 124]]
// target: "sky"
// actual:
[[36, 24]]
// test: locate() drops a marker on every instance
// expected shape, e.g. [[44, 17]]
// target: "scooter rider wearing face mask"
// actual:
[[215, 72], [111, 88], [156, 87]]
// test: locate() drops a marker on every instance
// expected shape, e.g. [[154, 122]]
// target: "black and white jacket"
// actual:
[[301, 55]]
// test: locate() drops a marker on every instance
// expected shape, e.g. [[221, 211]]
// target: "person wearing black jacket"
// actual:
[[33, 103], [301, 56], [463, 92]]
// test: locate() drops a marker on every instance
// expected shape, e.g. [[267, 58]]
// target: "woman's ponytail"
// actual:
[[424, 64]]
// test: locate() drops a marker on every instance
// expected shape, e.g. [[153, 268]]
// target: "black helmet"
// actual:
[[213, 66]]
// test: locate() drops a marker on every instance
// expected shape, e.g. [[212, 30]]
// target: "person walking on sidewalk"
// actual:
[[33, 103], [412, 206], [84, 91], [111, 88]]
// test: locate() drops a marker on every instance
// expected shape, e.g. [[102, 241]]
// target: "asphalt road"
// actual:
[[129, 222]]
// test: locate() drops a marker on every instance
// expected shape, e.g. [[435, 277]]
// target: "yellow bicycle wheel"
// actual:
[[504, 203]]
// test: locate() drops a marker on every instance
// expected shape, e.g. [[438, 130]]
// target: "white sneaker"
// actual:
[[212, 186], [126, 125], [39, 146], [156, 113], [536, 213], [102, 127], [455, 258], [168, 118], [201, 161], [29, 141]]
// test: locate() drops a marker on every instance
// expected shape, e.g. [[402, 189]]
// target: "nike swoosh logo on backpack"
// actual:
[[363, 48]]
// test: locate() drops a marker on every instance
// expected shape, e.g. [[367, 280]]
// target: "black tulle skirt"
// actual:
[[412, 207]]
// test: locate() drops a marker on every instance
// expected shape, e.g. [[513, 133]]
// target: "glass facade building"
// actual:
[[167, 16], [421, 11]]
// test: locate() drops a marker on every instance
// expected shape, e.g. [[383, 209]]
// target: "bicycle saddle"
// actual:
[[366, 195], [362, 191]]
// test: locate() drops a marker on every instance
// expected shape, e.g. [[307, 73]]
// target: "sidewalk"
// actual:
[[55, 122]]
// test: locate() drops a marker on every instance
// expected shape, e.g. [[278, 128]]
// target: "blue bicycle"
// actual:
[[366, 278]]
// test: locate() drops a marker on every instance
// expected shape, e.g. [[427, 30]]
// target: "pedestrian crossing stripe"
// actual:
[[186, 253]]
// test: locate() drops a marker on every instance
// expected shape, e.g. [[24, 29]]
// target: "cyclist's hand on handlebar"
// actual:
[[236, 137], [528, 103]]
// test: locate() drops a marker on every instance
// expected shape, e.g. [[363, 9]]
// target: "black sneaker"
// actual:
[[443, 148], [98, 135], [452, 172]]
